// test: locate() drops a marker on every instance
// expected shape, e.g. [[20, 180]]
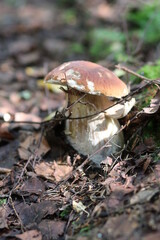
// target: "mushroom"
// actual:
[[90, 89]]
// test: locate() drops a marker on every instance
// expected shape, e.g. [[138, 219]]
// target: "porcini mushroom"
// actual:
[[93, 84]]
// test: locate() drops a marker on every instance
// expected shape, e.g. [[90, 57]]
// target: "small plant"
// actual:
[[151, 71], [146, 21], [65, 212], [3, 201], [106, 41], [85, 229]]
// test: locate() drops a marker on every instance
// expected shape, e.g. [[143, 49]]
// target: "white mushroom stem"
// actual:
[[90, 134]]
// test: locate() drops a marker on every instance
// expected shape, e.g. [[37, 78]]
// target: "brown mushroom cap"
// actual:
[[88, 77]]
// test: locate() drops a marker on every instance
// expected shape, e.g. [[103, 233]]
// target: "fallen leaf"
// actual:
[[3, 218], [53, 171], [45, 170], [33, 185], [51, 229], [34, 213], [61, 171], [31, 144], [154, 105], [119, 227], [144, 196], [8, 154], [32, 234], [79, 207]]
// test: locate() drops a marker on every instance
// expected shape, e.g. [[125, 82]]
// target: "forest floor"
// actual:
[[47, 190]]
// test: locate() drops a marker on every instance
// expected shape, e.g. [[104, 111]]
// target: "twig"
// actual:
[[17, 215], [147, 80], [23, 170], [132, 72]]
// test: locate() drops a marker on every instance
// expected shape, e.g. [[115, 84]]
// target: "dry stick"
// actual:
[[38, 145], [17, 215], [23, 171], [132, 72]]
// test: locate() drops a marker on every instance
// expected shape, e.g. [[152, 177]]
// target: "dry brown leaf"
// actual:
[[33, 185], [52, 229], [30, 145], [144, 196], [45, 170], [53, 171], [34, 213], [3, 218], [154, 105], [61, 171], [32, 234], [119, 226]]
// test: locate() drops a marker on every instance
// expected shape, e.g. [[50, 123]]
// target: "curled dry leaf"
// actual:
[[79, 207], [154, 105]]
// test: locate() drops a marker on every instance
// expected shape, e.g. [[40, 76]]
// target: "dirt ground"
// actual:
[[47, 190]]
